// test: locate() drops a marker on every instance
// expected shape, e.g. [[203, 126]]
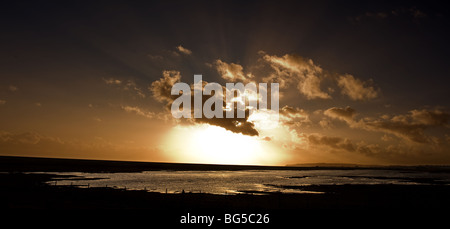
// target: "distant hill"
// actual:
[[328, 165]]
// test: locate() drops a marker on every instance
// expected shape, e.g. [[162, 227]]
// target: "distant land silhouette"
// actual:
[[40, 164]]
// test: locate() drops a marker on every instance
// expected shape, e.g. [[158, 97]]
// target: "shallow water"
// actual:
[[248, 181]]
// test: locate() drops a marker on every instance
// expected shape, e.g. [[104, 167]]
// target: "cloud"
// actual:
[[332, 142], [293, 116], [161, 88], [386, 138], [231, 72], [293, 68], [311, 88], [112, 81], [183, 50], [131, 86], [294, 112], [410, 126], [36, 144], [429, 117], [413, 13], [128, 85], [339, 144], [356, 89], [155, 57], [412, 132], [309, 77], [162, 92], [344, 114], [29, 138], [236, 125], [138, 111], [13, 88], [324, 123]]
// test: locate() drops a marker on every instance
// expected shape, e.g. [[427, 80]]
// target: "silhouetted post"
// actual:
[[88, 185], [166, 190]]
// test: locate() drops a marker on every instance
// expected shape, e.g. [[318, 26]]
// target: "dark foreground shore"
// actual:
[[21, 190]]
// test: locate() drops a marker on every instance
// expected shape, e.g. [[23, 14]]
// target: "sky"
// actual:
[[362, 82]]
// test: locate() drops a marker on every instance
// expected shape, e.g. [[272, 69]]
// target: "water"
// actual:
[[248, 181]]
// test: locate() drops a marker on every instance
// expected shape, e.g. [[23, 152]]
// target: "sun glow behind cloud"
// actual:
[[215, 145]]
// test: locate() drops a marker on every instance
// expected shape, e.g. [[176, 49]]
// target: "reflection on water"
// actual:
[[249, 181]]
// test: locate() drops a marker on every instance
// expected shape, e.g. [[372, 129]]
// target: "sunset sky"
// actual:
[[363, 83]]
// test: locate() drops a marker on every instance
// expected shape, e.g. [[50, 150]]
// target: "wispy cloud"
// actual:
[[183, 50], [344, 114], [126, 85], [161, 89], [138, 111], [130, 85], [31, 138], [293, 116], [356, 89], [231, 72], [413, 13], [410, 126], [292, 68], [112, 81], [333, 142], [13, 88]]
